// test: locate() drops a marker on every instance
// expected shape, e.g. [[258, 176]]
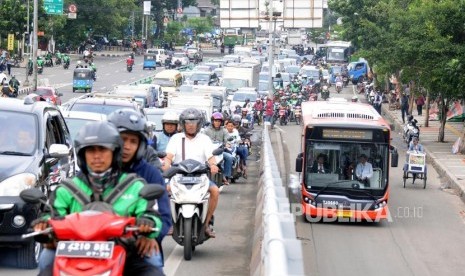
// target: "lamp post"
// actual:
[[35, 45], [28, 47], [272, 17]]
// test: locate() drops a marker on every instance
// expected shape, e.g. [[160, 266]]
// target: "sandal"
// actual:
[[225, 181], [209, 232], [244, 175]]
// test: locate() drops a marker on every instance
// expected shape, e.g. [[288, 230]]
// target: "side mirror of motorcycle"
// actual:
[[152, 191], [161, 154], [32, 196]]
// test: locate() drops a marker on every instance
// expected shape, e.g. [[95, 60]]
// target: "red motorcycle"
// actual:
[[86, 240], [282, 116]]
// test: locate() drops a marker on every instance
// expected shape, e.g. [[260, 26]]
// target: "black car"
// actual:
[[36, 151]]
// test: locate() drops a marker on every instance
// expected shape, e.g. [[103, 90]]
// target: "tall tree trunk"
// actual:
[[443, 115], [427, 109], [412, 97]]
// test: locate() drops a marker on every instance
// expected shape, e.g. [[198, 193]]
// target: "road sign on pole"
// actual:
[[53, 6]]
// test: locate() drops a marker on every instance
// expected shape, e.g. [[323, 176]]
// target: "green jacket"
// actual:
[[65, 202]]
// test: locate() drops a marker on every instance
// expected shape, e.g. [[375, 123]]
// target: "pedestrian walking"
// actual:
[[378, 101], [404, 106], [420, 102], [9, 64]]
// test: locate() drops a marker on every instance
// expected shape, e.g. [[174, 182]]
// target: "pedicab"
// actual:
[[150, 61], [415, 167], [83, 79]]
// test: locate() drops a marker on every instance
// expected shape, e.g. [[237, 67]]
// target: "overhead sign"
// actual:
[[53, 6], [11, 42], [147, 7]]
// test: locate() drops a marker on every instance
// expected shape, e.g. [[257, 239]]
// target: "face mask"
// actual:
[[102, 180]]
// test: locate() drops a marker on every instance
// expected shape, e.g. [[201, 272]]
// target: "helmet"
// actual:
[[409, 118], [170, 117], [245, 109], [245, 123], [236, 119], [129, 120], [99, 133], [191, 114], [217, 116], [78, 62], [247, 100]]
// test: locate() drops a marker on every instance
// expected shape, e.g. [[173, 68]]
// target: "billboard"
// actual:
[[239, 13], [303, 13]]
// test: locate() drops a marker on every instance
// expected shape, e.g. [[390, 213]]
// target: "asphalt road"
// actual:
[[230, 252], [423, 237]]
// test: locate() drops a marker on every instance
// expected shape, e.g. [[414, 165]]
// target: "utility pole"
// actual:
[[35, 45], [271, 50], [132, 24]]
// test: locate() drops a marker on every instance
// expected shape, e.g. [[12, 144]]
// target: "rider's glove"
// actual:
[[145, 221]]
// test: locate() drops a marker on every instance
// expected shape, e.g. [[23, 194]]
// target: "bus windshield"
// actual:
[[339, 164], [337, 54]]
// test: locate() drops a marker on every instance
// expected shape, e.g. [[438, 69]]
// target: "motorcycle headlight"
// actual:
[[14, 185]]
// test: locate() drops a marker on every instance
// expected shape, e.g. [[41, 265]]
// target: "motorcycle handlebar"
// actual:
[[33, 234], [136, 228]]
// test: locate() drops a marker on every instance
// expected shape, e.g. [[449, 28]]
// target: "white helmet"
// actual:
[[170, 117], [245, 123], [79, 62]]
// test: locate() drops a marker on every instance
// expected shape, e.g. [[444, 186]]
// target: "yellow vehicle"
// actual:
[[169, 81]]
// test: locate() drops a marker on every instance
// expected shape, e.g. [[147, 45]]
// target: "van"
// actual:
[[169, 80], [148, 95], [160, 55]]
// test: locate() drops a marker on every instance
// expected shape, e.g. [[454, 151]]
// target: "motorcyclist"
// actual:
[[94, 68], [130, 61], [191, 144], [40, 62], [14, 83], [218, 133], [258, 107], [338, 78], [234, 133], [133, 130], [66, 59], [7, 90], [79, 64], [99, 156], [169, 123], [30, 66]]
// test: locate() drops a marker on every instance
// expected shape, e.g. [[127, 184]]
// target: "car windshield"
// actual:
[[179, 55], [341, 164], [234, 83], [18, 133], [82, 75], [240, 97], [97, 108], [293, 69], [200, 77], [263, 77], [336, 69], [75, 124], [263, 86], [44, 92], [164, 82], [315, 74], [156, 118]]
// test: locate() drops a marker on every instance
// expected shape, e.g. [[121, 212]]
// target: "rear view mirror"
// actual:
[[299, 162], [152, 191], [218, 151], [32, 196]]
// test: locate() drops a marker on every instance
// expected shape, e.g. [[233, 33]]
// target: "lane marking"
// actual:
[[174, 260]]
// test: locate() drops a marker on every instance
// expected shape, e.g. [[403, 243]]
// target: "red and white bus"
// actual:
[[340, 133]]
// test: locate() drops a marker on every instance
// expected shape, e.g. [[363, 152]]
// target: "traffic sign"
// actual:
[[53, 6], [179, 10], [72, 8]]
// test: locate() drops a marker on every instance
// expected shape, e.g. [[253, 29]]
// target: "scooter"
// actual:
[[325, 92], [66, 64], [282, 116], [298, 114], [189, 183], [338, 86], [129, 68], [89, 250], [411, 130]]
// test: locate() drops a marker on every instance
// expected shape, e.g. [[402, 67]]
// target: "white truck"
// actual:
[[200, 101], [294, 37], [237, 75]]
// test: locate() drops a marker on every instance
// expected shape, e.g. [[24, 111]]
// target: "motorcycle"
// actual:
[[40, 69], [298, 114], [282, 116], [338, 86], [345, 81], [189, 201], [258, 116], [90, 250], [66, 64], [411, 130], [325, 92], [129, 68]]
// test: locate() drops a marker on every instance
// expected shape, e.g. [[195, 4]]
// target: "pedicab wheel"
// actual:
[[405, 177], [424, 181]]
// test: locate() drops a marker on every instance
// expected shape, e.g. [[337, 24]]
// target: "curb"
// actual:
[[430, 158]]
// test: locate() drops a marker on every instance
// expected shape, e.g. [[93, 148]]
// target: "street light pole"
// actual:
[[35, 45], [271, 50], [28, 47]]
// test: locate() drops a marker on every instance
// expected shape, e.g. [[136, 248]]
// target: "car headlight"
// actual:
[[14, 185]]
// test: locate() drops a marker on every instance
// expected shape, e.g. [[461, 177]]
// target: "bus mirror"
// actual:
[[394, 157], [298, 162]]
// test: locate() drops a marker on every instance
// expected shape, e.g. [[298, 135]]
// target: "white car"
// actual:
[[238, 98], [181, 57]]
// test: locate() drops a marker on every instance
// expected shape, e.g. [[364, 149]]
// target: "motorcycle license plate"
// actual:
[[282, 112], [85, 249], [189, 179]]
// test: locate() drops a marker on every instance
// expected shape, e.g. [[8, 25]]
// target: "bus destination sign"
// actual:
[[333, 133]]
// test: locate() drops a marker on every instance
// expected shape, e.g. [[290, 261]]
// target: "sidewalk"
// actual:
[[449, 166]]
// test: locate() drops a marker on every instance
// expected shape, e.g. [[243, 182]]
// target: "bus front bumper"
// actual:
[[340, 214]]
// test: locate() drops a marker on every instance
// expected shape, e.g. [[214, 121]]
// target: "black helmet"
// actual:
[[409, 118], [99, 133], [129, 120], [236, 118], [191, 114]]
